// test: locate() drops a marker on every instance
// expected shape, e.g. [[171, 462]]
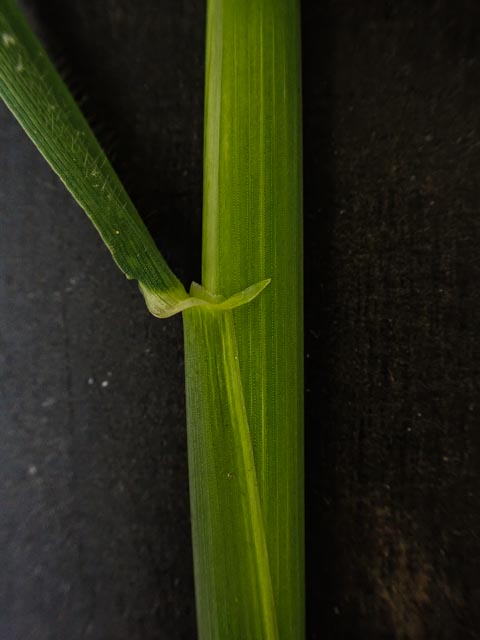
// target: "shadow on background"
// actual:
[[317, 34]]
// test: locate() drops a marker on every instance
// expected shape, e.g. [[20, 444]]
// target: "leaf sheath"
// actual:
[[232, 576]]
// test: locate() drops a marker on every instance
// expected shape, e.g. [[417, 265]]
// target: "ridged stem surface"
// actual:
[[252, 231]]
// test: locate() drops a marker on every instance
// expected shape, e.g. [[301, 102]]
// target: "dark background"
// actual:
[[94, 524]]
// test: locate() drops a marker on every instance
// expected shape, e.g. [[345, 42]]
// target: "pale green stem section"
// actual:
[[232, 577], [253, 230]]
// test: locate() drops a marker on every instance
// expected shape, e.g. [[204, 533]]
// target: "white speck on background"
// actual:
[[48, 402], [32, 470], [105, 383]]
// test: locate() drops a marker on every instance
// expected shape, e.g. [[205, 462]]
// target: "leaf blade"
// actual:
[[41, 102]]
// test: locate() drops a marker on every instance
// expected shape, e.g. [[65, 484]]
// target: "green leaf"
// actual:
[[41, 102]]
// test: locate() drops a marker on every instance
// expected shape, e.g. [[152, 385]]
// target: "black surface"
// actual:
[[94, 525]]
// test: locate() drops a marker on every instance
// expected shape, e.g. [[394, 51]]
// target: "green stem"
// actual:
[[252, 231]]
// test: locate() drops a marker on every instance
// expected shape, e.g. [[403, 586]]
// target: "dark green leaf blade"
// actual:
[[39, 99]]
